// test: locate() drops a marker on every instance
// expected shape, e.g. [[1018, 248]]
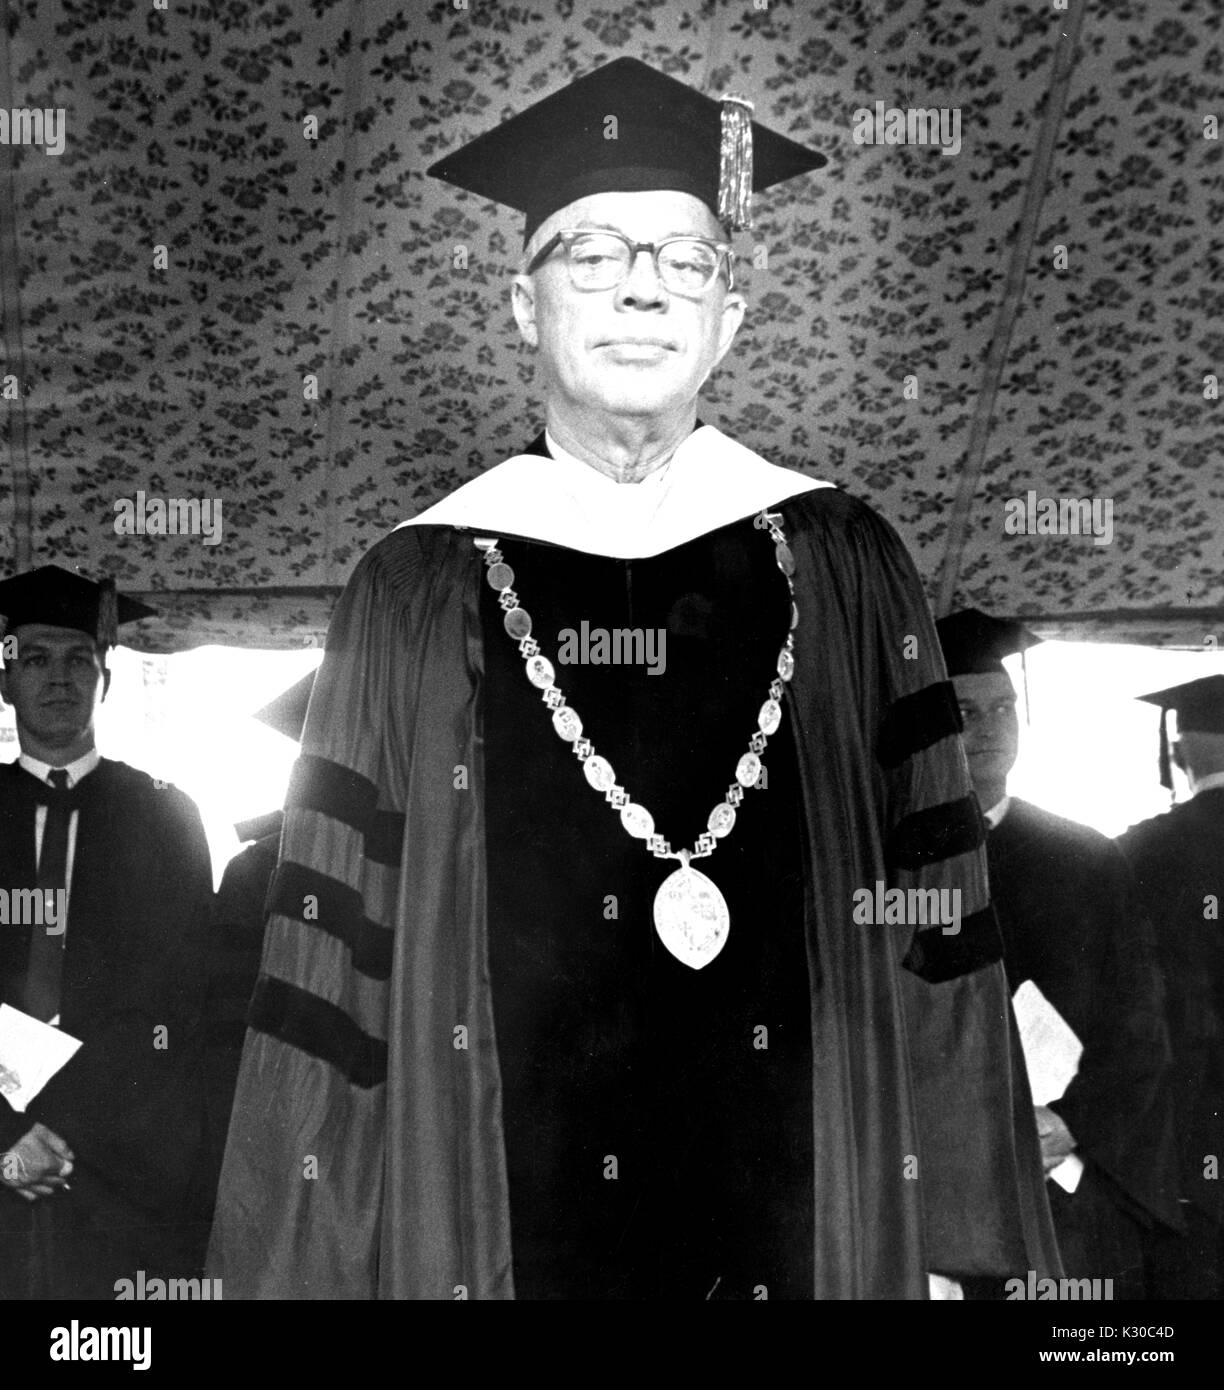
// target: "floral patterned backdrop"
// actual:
[[206, 297]]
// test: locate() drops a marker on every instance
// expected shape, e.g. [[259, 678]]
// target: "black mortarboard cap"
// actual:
[[287, 713], [1200, 709], [667, 135], [59, 598], [974, 642]]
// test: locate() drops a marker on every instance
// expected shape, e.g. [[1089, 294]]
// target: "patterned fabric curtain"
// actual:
[[232, 284]]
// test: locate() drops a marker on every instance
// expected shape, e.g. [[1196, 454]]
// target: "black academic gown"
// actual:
[[1178, 860], [1074, 925], [467, 1039], [130, 1103]]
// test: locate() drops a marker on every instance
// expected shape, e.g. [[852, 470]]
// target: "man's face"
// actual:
[[55, 683], [636, 349], [992, 731]]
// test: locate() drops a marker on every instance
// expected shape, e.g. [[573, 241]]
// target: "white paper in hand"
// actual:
[[31, 1052], [1068, 1173], [1051, 1050]]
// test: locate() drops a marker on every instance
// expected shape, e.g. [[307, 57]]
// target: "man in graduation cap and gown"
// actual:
[[100, 1172], [557, 999], [236, 939], [1178, 858], [1073, 924]]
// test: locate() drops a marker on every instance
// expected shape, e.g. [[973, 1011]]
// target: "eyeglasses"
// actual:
[[685, 265]]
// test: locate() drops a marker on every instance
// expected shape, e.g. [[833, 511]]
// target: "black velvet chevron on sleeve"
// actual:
[[336, 910], [917, 721], [935, 957], [935, 833], [303, 1020]]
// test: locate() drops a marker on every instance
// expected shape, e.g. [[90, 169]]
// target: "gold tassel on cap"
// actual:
[[108, 613], [735, 163]]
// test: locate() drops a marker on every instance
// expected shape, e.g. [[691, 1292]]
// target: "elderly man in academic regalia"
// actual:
[[100, 1172], [1074, 925], [561, 997], [1178, 859]]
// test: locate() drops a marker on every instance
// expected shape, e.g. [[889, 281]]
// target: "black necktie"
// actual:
[[46, 963]]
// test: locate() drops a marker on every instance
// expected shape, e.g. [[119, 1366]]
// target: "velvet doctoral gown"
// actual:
[[130, 1103], [464, 1013]]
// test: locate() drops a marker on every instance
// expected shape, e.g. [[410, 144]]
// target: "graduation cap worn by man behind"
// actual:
[[1200, 709], [56, 597], [973, 642], [626, 128]]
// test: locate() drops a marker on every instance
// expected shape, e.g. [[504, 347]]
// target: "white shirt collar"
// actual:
[[1205, 784], [653, 479], [997, 812], [77, 769]]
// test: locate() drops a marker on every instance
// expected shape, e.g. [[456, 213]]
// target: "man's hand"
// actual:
[[1057, 1141], [37, 1165]]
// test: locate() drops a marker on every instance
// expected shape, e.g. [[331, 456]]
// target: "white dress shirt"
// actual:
[[81, 767]]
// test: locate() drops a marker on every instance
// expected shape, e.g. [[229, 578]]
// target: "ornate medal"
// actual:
[[690, 916]]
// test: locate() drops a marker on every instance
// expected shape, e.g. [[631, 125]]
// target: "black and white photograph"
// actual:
[[612, 669]]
